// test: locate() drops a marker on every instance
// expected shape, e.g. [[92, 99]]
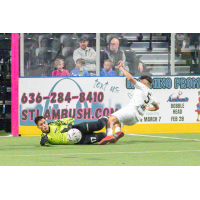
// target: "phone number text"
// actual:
[[60, 97]]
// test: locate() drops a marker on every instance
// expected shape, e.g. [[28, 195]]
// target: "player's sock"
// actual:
[[117, 129], [109, 131]]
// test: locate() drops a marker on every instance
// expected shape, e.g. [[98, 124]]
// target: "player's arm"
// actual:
[[154, 107], [43, 140], [63, 121], [70, 126], [126, 73]]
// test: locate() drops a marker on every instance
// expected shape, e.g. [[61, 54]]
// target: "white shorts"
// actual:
[[126, 116]]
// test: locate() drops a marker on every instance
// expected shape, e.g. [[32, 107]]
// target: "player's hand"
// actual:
[[140, 67], [43, 140], [67, 129], [121, 64]]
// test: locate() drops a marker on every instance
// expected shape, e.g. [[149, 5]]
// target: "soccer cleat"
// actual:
[[119, 135], [107, 139]]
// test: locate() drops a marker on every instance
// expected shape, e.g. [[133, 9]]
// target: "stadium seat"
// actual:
[[5, 41], [39, 70], [103, 56], [30, 45], [51, 42], [42, 36], [74, 43], [5, 82], [66, 51], [2, 92], [45, 55], [69, 40]]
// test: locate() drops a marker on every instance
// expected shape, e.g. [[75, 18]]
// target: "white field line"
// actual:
[[173, 138], [67, 154], [144, 152], [7, 135]]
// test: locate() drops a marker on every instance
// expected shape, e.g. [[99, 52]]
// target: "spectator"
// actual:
[[115, 54], [107, 70], [87, 53], [135, 64], [79, 70], [59, 64]]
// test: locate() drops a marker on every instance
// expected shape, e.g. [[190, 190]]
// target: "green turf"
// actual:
[[130, 150]]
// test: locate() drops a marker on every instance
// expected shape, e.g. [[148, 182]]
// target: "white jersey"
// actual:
[[133, 112], [142, 97]]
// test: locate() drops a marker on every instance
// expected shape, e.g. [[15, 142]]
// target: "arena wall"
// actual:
[[87, 99]]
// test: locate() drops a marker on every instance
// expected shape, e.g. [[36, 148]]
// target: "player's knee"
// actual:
[[102, 122], [112, 120]]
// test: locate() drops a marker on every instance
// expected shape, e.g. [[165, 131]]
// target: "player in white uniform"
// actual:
[[134, 111]]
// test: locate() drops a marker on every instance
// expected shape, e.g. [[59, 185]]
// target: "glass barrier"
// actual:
[[143, 53], [59, 54], [5, 82], [187, 53], [76, 54]]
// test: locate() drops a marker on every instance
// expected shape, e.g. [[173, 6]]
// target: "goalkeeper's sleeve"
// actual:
[[67, 129], [63, 121]]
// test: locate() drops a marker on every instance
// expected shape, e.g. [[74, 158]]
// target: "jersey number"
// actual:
[[148, 96], [93, 139]]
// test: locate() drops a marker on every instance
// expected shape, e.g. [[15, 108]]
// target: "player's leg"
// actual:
[[118, 133], [112, 121], [125, 116], [92, 138], [96, 125], [90, 127], [117, 128]]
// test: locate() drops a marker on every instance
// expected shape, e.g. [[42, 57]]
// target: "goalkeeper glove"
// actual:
[[43, 140], [67, 129]]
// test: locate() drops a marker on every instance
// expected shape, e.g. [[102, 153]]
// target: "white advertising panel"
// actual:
[[86, 98]]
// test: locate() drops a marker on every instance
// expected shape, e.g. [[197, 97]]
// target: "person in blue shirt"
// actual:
[[79, 70], [107, 70]]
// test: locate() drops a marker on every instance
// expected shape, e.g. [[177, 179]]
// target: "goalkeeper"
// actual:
[[55, 132]]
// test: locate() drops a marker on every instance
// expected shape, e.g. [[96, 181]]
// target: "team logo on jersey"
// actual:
[[176, 98], [143, 107]]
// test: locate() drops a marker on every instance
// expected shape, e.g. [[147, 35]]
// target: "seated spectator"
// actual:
[[87, 53], [107, 70], [59, 64], [79, 70], [115, 54], [136, 66]]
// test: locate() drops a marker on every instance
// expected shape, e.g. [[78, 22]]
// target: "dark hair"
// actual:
[[148, 78], [38, 118], [81, 60]]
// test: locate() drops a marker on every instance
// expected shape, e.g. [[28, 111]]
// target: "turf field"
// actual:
[[131, 150]]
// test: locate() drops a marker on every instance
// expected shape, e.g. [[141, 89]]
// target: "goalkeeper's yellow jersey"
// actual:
[[55, 136]]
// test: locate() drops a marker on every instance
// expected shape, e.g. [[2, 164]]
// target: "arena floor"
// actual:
[[132, 150]]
